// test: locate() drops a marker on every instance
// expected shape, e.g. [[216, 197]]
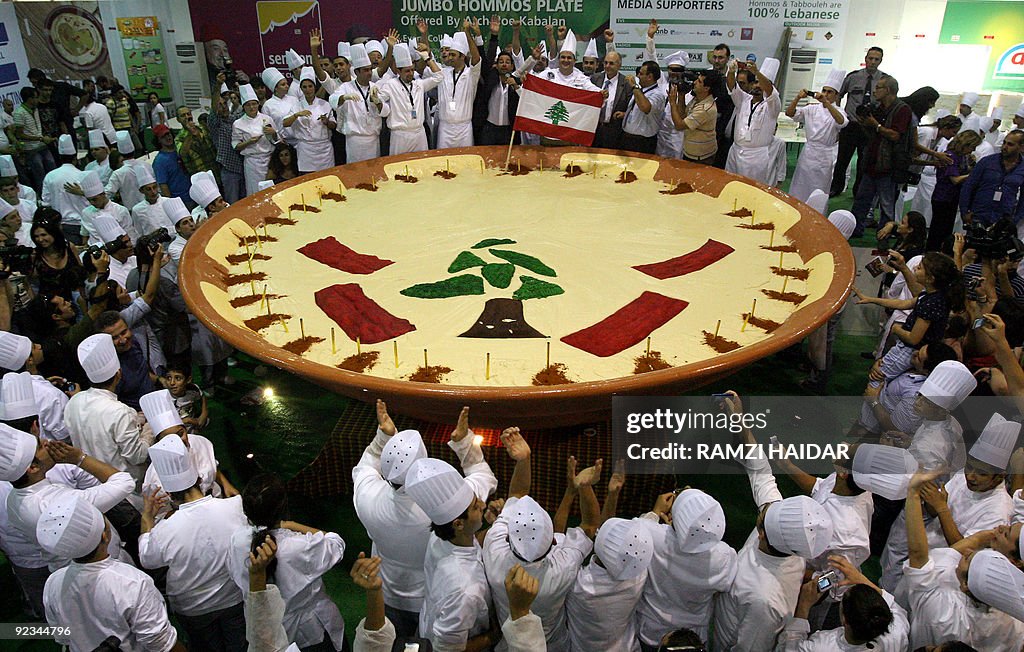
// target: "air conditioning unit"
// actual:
[[191, 64], [799, 73]]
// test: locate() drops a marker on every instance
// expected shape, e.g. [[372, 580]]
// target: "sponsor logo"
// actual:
[[1011, 63], [279, 22], [747, 34], [828, 36], [715, 32]]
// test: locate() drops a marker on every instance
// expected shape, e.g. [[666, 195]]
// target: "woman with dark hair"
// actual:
[[283, 164], [921, 101], [55, 264], [949, 180], [304, 554]]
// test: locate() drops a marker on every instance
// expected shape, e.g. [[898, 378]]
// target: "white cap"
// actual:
[[941, 113], [108, 228], [835, 79], [403, 58], [90, 184], [798, 525], [678, 58], [98, 357], [844, 221], [414, 53], [970, 99], [293, 59], [460, 42], [263, 185], [6, 209], [971, 123], [7, 166], [345, 50], [160, 411], [948, 384], [997, 113], [530, 531], [818, 201], [446, 41], [14, 350], [884, 470], [698, 521], [993, 579], [65, 146], [124, 142], [996, 443], [360, 59], [247, 94], [224, 89], [374, 46], [624, 547], [399, 453], [270, 76], [70, 527], [96, 139], [543, 49], [985, 124], [144, 174], [175, 210], [770, 68], [307, 73], [591, 51], [439, 489], [19, 400], [569, 44], [173, 464], [204, 188], [17, 450]]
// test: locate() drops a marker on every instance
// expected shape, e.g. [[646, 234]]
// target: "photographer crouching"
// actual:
[[887, 156]]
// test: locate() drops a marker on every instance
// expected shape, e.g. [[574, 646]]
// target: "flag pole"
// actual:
[[508, 157]]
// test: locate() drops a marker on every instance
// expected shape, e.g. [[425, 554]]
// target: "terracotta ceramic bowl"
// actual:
[[203, 283]]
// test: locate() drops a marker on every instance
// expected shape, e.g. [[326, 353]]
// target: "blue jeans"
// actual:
[[885, 188], [39, 162], [234, 185]]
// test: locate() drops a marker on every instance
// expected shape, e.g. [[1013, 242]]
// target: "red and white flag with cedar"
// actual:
[[558, 111]]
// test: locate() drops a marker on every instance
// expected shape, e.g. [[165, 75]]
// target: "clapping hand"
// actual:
[[384, 422], [462, 426], [366, 573], [514, 443]]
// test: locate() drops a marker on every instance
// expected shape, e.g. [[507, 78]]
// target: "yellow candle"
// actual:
[[320, 195], [745, 320], [247, 249], [334, 348], [302, 328], [717, 326], [780, 258], [284, 325], [269, 313], [252, 286], [487, 372], [785, 280], [406, 172], [425, 363], [648, 346], [548, 361], [481, 166], [448, 166], [264, 299], [396, 345], [734, 204], [771, 238], [303, 196], [753, 307], [359, 346], [250, 265]]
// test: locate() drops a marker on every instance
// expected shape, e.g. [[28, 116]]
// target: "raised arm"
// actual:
[[615, 484], [590, 510], [519, 451], [472, 32], [560, 520], [315, 41], [917, 537]]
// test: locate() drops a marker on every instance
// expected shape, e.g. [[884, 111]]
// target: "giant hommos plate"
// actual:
[[534, 292]]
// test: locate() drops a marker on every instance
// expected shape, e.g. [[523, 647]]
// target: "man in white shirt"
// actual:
[[100, 204], [404, 97], [123, 184], [12, 192], [456, 606], [100, 153], [55, 193], [132, 609], [822, 122], [96, 116], [457, 91], [39, 398], [566, 72], [195, 545], [359, 108], [148, 215], [646, 109], [758, 106]]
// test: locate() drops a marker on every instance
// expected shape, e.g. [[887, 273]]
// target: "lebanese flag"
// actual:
[[557, 111]]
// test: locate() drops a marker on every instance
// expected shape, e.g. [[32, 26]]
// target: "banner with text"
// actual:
[[998, 25], [753, 29], [13, 62], [144, 59], [584, 17]]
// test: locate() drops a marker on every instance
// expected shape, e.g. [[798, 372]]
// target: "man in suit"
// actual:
[[609, 128], [496, 103]]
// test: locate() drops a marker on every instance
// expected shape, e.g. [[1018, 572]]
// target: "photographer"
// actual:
[[822, 123], [990, 192], [887, 156], [698, 118]]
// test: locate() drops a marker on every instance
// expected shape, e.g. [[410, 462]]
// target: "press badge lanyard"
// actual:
[[753, 109], [412, 104], [366, 102]]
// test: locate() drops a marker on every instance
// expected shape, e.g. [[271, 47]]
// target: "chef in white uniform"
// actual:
[[977, 496], [312, 127], [281, 104], [122, 181], [207, 196], [406, 106], [822, 122], [565, 73], [253, 135], [456, 607], [148, 214], [17, 353], [163, 417], [359, 108], [27, 200], [101, 155], [757, 112], [101, 204], [295, 63], [457, 92]]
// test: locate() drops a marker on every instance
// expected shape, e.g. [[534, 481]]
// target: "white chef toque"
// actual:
[[460, 42], [144, 174], [124, 142], [591, 51], [438, 489], [835, 79], [65, 146], [204, 189], [7, 167], [625, 547], [698, 521], [271, 77], [678, 58], [175, 210], [798, 525], [246, 93], [360, 58], [345, 50], [770, 68], [96, 139], [844, 221], [98, 357], [17, 451], [948, 384], [108, 228], [160, 411], [374, 46], [997, 441], [91, 185], [19, 399], [399, 453], [14, 350], [994, 580], [307, 73], [530, 530], [173, 464], [569, 44], [70, 527], [403, 58], [969, 99], [293, 59], [884, 470]]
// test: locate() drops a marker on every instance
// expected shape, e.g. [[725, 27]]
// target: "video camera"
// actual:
[[18, 258], [685, 85], [115, 245], [873, 109], [994, 242], [160, 236]]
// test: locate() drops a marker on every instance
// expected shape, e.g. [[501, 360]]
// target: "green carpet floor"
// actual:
[[285, 434]]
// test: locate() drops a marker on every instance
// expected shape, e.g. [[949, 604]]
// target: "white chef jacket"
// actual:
[[312, 137], [681, 586], [150, 217], [851, 522], [818, 157], [577, 78], [456, 606], [523, 635], [108, 598], [556, 573], [396, 95], [200, 450], [1018, 507], [939, 444], [599, 610], [50, 404], [263, 613], [974, 511], [124, 184], [108, 430], [27, 210], [96, 116], [195, 544], [114, 210], [455, 96], [69, 206], [796, 635], [302, 560], [277, 109], [897, 550], [358, 115], [941, 612], [102, 169], [753, 132], [398, 527], [380, 640]]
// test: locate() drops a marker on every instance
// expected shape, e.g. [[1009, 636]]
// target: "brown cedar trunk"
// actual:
[[501, 319]]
